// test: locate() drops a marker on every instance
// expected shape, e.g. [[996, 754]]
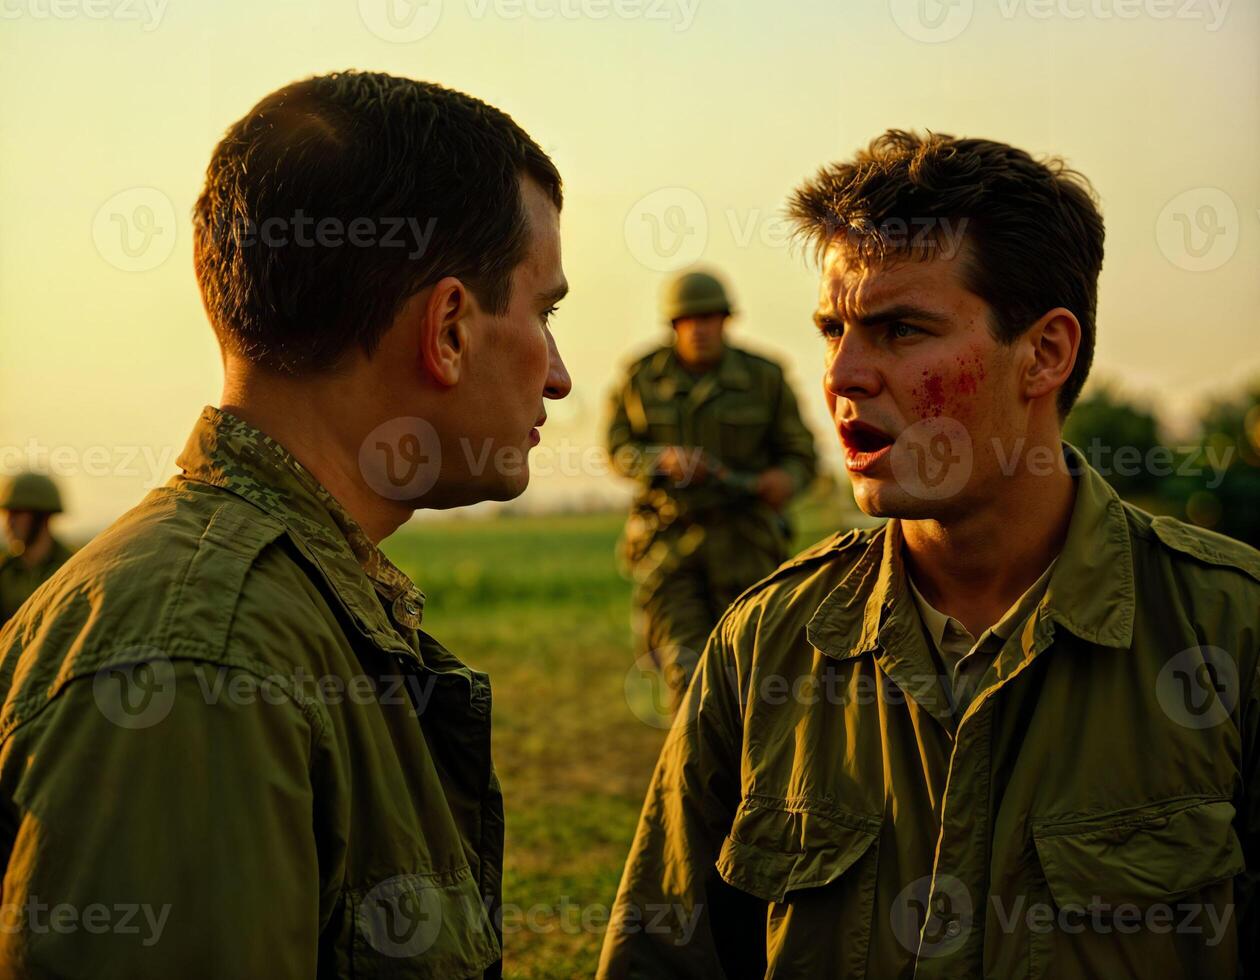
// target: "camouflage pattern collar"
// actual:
[[226, 452], [1090, 592]]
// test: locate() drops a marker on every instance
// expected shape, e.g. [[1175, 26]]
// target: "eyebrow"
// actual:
[[891, 314], [555, 294]]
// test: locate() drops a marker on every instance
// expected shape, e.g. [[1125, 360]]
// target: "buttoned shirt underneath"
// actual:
[[963, 659]]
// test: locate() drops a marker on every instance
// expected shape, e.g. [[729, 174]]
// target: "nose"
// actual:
[[559, 384], [851, 371]]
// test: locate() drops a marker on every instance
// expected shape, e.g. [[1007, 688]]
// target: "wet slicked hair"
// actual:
[[412, 181], [1032, 228]]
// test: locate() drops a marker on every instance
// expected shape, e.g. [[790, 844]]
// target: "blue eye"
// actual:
[[900, 331]]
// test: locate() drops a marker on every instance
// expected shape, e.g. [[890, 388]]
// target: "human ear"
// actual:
[[443, 335], [1055, 340]]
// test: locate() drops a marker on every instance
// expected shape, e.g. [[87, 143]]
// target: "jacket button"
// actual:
[[407, 611]]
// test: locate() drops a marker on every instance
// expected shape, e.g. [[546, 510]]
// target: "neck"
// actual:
[[699, 367], [38, 550], [975, 567], [312, 423]]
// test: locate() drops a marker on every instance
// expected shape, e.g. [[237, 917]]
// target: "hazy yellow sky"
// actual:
[[679, 125]]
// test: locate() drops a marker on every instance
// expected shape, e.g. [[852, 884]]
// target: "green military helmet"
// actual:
[[694, 294], [30, 491]]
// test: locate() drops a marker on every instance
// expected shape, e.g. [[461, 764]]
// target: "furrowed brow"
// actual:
[[902, 311]]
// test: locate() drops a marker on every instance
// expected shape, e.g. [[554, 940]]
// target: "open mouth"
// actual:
[[864, 445]]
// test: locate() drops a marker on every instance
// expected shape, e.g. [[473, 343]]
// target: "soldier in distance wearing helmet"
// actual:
[[28, 502], [713, 437]]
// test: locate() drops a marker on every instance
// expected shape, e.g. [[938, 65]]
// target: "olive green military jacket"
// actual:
[[226, 749], [818, 811], [743, 413], [18, 581]]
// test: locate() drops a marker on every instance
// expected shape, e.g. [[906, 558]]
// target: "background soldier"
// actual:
[[714, 438], [28, 502]]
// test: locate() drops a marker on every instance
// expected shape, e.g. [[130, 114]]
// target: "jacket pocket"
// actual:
[[662, 422], [1154, 883], [816, 864], [742, 432], [430, 926], [780, 846]]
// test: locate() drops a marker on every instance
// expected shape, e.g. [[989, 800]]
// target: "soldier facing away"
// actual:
[[1014, 731], [29, 501], [223, 714], [713, 437]]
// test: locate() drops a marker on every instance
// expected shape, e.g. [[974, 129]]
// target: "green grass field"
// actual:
[[537, 602]]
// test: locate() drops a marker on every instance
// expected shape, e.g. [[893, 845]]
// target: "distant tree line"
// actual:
[[1211, 479]]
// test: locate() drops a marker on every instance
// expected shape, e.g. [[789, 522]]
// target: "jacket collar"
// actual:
[[1091, 590], [671, 377], [226, 452], [872, 611], [1090, 593]]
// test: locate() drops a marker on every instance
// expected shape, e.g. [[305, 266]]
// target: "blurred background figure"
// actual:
[[714, 438], [28, 503]]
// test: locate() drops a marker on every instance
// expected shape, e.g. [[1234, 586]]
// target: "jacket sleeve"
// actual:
[[793, 443], [158, 822], [663, 924], [628, 450]]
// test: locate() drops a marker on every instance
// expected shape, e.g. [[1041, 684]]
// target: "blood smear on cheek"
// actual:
[[931, 396], [971, 375]]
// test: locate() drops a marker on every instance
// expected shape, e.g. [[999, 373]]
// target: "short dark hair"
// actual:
[[1032, 227], [336, 198]]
